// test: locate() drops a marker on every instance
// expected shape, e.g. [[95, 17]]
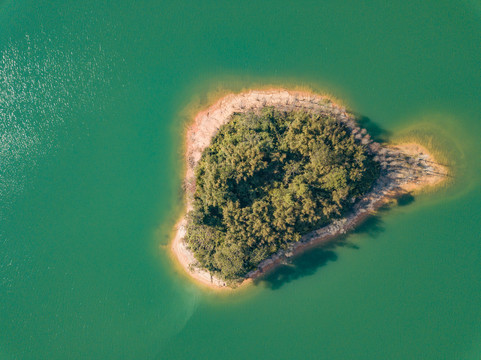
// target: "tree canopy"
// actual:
[[268, 178]]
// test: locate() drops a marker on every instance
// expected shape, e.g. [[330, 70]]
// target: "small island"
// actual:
[[270, 173]]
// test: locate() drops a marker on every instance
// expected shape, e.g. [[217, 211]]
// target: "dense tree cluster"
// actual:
[[267, 179]]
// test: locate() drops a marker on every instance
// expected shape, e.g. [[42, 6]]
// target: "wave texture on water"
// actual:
[[42, 86]]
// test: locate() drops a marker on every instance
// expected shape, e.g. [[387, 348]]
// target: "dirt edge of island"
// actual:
[[406, 168]]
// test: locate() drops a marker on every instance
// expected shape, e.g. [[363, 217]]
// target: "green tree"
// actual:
[[268, 178]]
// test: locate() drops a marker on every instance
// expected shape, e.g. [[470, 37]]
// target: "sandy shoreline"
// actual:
[[406, 168]]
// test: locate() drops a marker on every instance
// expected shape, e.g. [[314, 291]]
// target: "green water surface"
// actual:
[[93, 97]]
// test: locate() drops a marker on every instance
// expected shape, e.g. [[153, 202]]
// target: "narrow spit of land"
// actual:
[[405, 168]]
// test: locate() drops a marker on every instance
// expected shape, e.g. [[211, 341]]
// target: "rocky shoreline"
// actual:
[[405, 168]]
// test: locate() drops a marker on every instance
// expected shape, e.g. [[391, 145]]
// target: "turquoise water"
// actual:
[[93, 97]]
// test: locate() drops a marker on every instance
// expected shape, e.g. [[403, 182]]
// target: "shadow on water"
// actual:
[[303, 265], [309, 262], [405, 199], [372, 226], [377, 133]]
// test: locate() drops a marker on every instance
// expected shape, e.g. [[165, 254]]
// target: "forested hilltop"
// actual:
[[267, 178]]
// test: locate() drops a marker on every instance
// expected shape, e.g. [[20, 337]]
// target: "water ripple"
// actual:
[[43, 82]]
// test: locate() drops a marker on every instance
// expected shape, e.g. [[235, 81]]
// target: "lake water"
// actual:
[[93, 99]]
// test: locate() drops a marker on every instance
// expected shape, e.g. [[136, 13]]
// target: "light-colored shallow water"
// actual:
[[91, 104]]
